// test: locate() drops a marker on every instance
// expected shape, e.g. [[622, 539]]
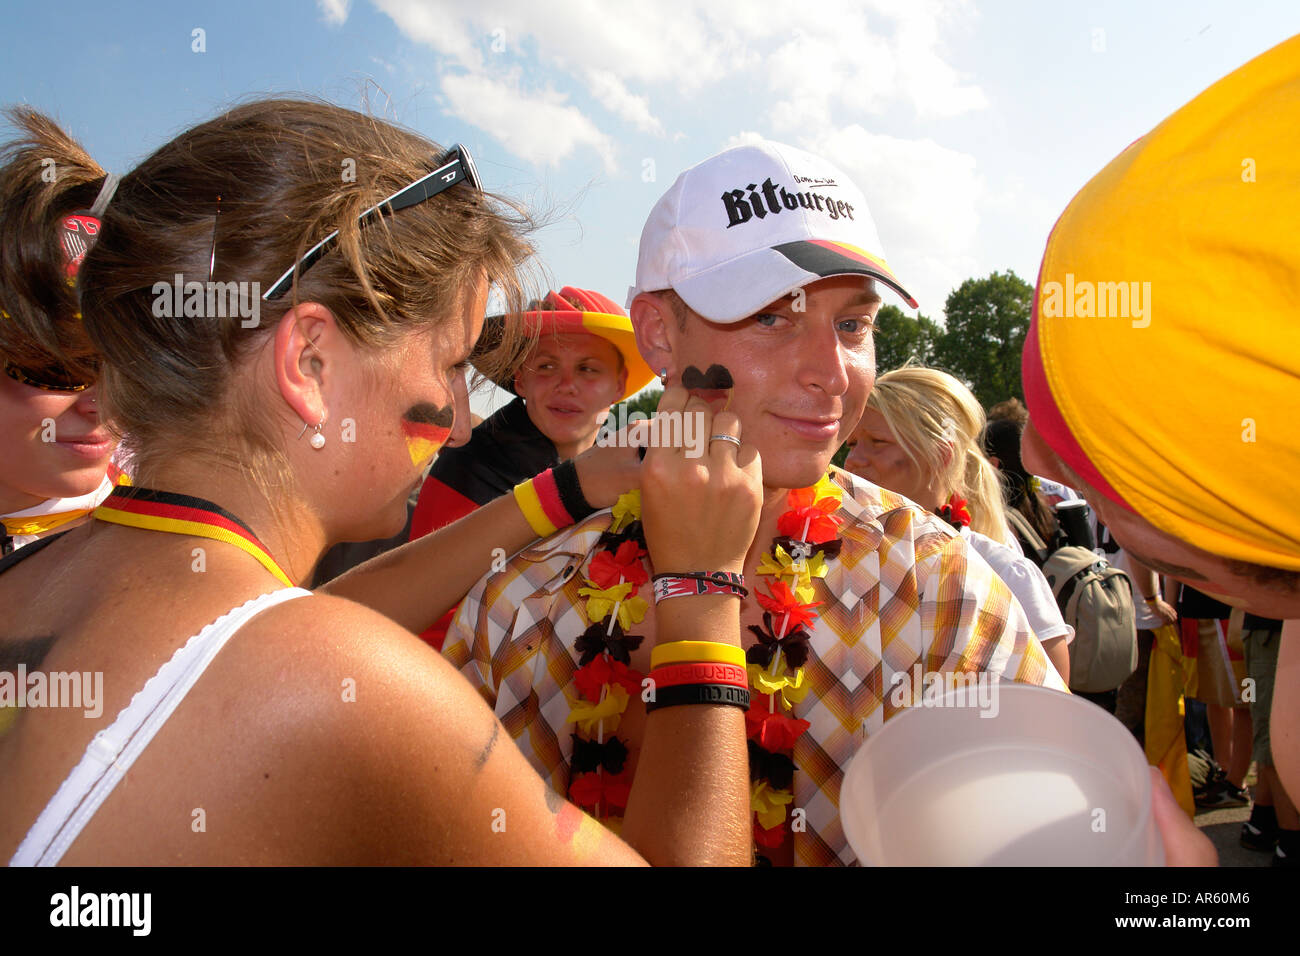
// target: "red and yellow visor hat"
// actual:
[[1163, 359], [577, 311]]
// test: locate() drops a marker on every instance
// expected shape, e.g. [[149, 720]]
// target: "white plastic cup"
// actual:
[[1039, 778]]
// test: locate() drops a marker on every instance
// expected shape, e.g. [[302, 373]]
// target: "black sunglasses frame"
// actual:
[[33, 379], [456, 166]]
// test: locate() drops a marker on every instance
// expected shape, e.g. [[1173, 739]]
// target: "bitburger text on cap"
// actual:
[[753, 224]]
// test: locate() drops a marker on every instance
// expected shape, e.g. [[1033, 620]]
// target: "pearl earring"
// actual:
[[317, 440]]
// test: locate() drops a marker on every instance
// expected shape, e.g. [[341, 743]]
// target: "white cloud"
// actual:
[[933, 86], [925, 201], [551, 80], [743, 138], [440, 27], [537, 126], [615, 97], [335, 11], [849, 58]]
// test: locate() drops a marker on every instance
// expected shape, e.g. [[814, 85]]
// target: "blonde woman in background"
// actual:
[[920, 437]]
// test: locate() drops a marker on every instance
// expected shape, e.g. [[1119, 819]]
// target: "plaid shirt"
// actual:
[[905, 589]]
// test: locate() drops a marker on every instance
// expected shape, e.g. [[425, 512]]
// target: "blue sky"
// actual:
[[968, 125]]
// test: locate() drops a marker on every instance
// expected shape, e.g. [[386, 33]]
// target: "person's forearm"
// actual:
[[1058, 652], [419, 582], [690, 800], [1145, 582]]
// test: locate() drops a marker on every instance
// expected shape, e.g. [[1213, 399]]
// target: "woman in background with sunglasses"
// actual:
[[54, 449], [294, 727]]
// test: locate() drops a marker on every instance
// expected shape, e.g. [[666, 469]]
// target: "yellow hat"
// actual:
[[1163, 360]]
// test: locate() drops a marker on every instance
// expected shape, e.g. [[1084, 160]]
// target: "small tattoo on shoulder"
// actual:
[[481, 760]]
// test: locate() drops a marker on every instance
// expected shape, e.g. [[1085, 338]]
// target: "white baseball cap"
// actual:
[[753, 224]]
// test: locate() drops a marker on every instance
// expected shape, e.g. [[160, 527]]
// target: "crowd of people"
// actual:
[[635, 651]]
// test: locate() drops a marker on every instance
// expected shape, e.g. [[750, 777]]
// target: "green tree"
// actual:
[[985, 321], [900, 337], [645, 402]]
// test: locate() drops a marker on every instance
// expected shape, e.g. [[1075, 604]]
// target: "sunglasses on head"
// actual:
[[53, 379], [455, 166]]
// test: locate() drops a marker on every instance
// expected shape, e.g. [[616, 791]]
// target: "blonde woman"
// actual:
[[919, 437]]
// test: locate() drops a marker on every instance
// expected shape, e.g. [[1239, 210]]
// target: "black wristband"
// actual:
[[567, 484], [699, 694]]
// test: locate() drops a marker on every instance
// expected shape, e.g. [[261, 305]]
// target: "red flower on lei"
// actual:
[[819, 514], [607, 569], [784, 601], [603, 670], [589, 789], [769, 839], [773, 731]]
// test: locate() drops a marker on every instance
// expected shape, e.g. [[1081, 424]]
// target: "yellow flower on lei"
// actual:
[[769, 804], [780, 564], [626, 510], [790, 687], [601, 602], [588, 716], [826, 488]]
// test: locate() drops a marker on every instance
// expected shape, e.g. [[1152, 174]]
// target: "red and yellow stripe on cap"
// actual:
[[822, 257]]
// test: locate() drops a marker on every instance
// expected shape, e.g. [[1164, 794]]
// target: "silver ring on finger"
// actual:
[[731, 438]]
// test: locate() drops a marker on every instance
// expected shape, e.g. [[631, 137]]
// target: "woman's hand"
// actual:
[[1185, 844], [699, 513], [607, 472]]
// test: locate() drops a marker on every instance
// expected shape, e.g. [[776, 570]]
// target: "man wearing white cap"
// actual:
[[756, 288]]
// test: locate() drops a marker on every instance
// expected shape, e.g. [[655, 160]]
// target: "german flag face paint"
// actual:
[[426, 428], [712, 386]]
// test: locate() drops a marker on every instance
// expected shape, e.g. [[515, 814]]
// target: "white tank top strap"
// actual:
[[112, 751]]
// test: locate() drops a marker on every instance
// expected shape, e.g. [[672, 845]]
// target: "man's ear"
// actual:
[[307, 355], [656, 330]]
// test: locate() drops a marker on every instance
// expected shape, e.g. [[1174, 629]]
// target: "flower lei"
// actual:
[[606, 682], [605, 679], [806, 538]]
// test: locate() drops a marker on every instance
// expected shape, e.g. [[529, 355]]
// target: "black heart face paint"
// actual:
[[715, 385], [426, 429]]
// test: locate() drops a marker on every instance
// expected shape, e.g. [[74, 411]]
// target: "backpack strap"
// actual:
[[1037, 548]]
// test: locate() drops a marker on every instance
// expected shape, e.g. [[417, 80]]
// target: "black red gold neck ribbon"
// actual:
[[182, 514]]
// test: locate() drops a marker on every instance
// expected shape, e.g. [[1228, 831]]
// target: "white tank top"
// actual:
[[112, 751]]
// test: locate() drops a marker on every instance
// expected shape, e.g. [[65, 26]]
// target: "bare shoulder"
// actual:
[[351, 737], [332, 652]]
